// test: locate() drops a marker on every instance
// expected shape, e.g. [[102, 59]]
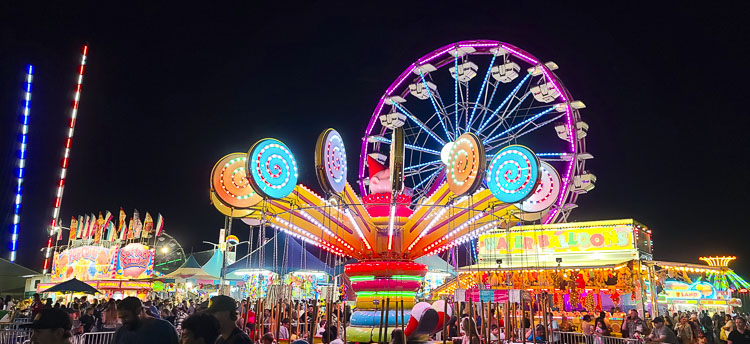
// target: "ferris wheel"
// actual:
[[496, 91]]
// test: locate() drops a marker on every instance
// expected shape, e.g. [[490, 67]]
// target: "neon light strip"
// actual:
[[361, 278], [519, 124], [566, 181], [428, 228], [356, 228], [390, 227], [324, 229], [510, 95], [66, 156], [460, 240], [406, 277], [481, 89], [421, 165], [416, 148], [419, 123], [434, 105], [387, 293], [455, 93], [307, 236], [21, 163]]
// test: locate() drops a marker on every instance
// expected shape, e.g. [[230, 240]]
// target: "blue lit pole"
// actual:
[[22, 140]]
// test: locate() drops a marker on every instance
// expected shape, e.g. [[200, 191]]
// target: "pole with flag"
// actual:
[[137, 224], [85, 233], [121, 230], [92, 226], [73, 229], [79, 232], [99, 228], [107, 234], [148, 226], [159, 225]]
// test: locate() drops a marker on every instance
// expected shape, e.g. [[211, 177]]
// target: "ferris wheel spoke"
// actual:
[[520, 134], [434, 104], [510, 95], [502, 119], [413, 173], [430, 177], [455, 95], [488, 107], [420, 124], [409, 168], [479, 95], [381, 139], [519, 125]]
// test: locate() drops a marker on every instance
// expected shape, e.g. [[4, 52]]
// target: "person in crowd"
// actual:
[[267, 338], [109, 316], [284, 329], [331, 336], [53, 326], [180, 314], [661, 333], [740, 334], [727, 328], [631, 323], [565, 325], [36, 306], [150, 309], [199, 328], [470, 335], [716, 319], [553, 328], [586, 327], [539, 335], [601, 328], [138, 328], [684, 331], [397, 337], [702, 338], [224, 308], [9, 304], [87, 320]]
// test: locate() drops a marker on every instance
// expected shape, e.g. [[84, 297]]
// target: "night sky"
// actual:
[[169, 90]]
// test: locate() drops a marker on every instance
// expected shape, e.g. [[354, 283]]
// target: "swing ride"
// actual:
[[434, 172]]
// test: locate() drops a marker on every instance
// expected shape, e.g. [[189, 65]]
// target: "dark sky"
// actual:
[[169, 90]]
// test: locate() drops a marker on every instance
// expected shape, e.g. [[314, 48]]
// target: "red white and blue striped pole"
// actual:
[[20, 173], [64, 165]]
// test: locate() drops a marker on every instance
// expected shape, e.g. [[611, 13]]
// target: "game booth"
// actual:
[[115, 271]]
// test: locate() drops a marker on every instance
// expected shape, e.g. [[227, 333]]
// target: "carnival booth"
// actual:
[[115, 271], [190, 279], [284, 258]]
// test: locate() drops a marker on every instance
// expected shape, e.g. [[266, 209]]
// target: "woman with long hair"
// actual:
[[109, 316], [471, 335]]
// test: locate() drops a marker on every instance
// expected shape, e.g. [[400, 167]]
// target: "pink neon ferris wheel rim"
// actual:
[[484, 45]]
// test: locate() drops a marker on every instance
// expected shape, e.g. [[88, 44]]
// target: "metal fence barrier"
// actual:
[[580, 338], [19, 336]]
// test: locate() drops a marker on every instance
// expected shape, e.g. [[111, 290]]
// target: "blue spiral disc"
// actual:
[[273, 169], [513, 174]]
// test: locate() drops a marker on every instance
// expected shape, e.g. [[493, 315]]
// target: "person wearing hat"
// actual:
[[224, 308], [661, 333], [52, 327], [138, 328]]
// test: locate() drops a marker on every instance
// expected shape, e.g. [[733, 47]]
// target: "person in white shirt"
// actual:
[[284, 329]]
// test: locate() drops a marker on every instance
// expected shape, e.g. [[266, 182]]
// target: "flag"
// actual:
[[98, 228], [130, 229], [107, 235], [110, 231], [92, 226], [79, 232], [159, 225], [137, 224], [73, 228], [148, 226], [85, 233], [59, 230], [121, 230]]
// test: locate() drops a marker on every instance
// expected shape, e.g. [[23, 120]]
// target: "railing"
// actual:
[[18, 336], [93, 338], [580, 338], [14, 336]]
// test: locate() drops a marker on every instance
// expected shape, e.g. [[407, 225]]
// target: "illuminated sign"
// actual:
[[134, 261], [576, 239], [84, 263], [681, 290], [135, 285], [109, 284]]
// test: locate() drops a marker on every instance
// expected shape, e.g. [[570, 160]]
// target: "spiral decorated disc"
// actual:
[[466, 163], [513, 174], [546, 192], [273, 170], [330, 161], [233, 212], [229, 182]]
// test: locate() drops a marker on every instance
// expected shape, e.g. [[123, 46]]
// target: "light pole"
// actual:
[[224, 259]]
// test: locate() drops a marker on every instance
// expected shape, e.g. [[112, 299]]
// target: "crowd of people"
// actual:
[[218, 320]]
